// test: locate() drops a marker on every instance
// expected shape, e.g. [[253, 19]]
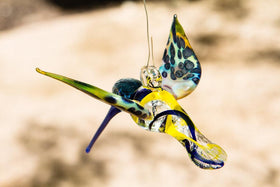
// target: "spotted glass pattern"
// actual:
[[180, 68]]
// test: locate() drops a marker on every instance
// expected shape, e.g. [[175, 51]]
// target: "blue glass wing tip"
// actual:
[[88, 149], [111, 113]]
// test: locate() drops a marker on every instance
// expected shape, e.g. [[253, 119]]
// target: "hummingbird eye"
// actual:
[[150, 77]]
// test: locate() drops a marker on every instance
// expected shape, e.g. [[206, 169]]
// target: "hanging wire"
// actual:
[[152, 47], [148, 35]]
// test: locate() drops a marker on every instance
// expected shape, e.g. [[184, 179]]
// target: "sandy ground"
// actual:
[[45, 125]]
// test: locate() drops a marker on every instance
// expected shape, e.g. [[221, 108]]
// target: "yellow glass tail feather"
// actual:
[[112, 99]]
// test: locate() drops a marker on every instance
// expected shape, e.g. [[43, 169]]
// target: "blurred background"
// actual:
[[46, 125]]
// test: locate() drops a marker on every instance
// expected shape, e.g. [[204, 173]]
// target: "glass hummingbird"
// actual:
[[152, 102]]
